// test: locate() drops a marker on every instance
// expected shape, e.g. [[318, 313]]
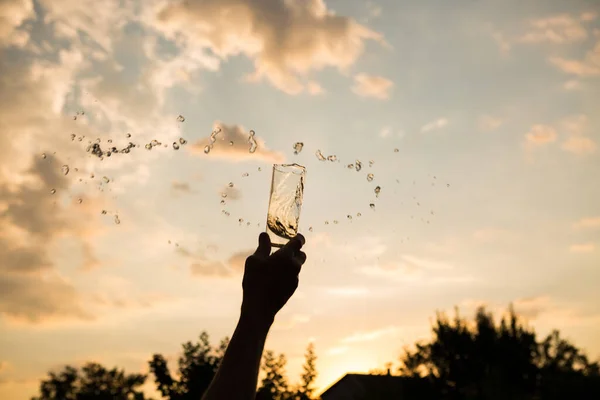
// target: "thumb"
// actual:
[[264, 245]]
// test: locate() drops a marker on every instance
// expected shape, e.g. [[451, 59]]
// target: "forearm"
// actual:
[[237, 376]]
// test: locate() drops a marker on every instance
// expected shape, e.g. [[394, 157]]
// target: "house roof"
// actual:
[[356, 386]]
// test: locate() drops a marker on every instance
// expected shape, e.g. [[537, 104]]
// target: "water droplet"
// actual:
[[65, 169], [241, 220], [350, 166], [98, 140], [358, 214], [182, 141], [377, 191], [418, 203], [370, 177], [148, 146], [103, 212], [252, 141], [128, 135], [326, 222], [447, 185], [155, 143], [372, 206], [358, 165], [109, 140], [222, 202], [248, 223], [206, 149], [335, 221], [117, 220], [181, 118], [245, 174], [92, 175], [432, 212], [231, 142], [80, 201], [310, 229], [371, 162], [434, 177], [350, 217], [73, 136], [396, 150], [223, 195], [44, 155], [175, 146], [259, 169], [298, 147], [332, 158], [108, 154], [80, 138], [52, 191], [320, 155], [105, 179], [230, 184]]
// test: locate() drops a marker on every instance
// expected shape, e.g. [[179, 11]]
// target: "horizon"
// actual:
[[478, 121]]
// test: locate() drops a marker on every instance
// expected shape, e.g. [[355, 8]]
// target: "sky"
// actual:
[[477, 119]]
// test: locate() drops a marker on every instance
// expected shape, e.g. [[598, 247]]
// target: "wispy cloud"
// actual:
[[372, 86], [433, 125], [557, 29], [588, 223], [589, 66], [582, 248], [370, 336], [232, 144], [540, 135]]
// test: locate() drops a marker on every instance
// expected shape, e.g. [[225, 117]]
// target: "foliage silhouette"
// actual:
[[482, 360], [196, 368], [274, 385], [306, 389], [94, 382]]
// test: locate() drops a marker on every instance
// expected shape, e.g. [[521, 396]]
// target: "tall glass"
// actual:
[[287, 187]]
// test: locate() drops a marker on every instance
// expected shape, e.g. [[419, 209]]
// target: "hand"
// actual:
[[271, 279]]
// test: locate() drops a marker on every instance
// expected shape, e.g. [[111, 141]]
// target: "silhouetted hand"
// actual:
[[271, 279]]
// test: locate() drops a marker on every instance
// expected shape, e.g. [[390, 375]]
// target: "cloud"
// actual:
[[285, 40], [588, 16], [589, 66], [181, 187], [582, 248], [588, 223], [372, 86], [579, 145], [572, 85], [540, 135], [314, 88], [489, 123], [232, 145], [12, 14], [557, 29], [201, 265], [385, 132], [503, 44], [370, 336], [433, 125]]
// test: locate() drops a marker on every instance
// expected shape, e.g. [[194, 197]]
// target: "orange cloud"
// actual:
[[589, 66], [540, 135], [437, 124], [593, 222], [232, 144], [582, 248], [311, 38], [372, 86], [579, 145], [557, 29]]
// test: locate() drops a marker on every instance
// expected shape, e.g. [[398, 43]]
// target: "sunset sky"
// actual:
[[480, 118]]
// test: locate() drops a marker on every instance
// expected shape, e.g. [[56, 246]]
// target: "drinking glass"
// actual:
[[287, 187]]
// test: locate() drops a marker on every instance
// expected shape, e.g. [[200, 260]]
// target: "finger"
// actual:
[[294, 245], [301, 257], [294, 267], [264, 246]]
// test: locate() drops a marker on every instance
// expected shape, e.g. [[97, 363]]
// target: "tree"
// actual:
[[196, 368], [274, 385], [306, 388], [94, 382], [487, 361]]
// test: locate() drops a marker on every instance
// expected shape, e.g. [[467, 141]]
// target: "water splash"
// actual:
[[182, 141], [350, 166], [65, 169], [370, 177], [175, 146], [332, 158], [358, 165], [372, 205], [320, 155], [377, 191], [230, 184], [207, 149], [117, 220], [181, 118], [298, 147], [103, 212], [105, 179], [73, 137], [252, 141]]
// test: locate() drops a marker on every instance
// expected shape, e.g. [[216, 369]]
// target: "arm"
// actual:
[[269, 282]]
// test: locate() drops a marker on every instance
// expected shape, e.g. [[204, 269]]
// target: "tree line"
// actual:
[[463, 359]]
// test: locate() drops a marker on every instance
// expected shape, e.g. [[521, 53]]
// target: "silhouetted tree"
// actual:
[[274, 385], [95, 382], [196, 368], [306, 389], [486, 361]]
